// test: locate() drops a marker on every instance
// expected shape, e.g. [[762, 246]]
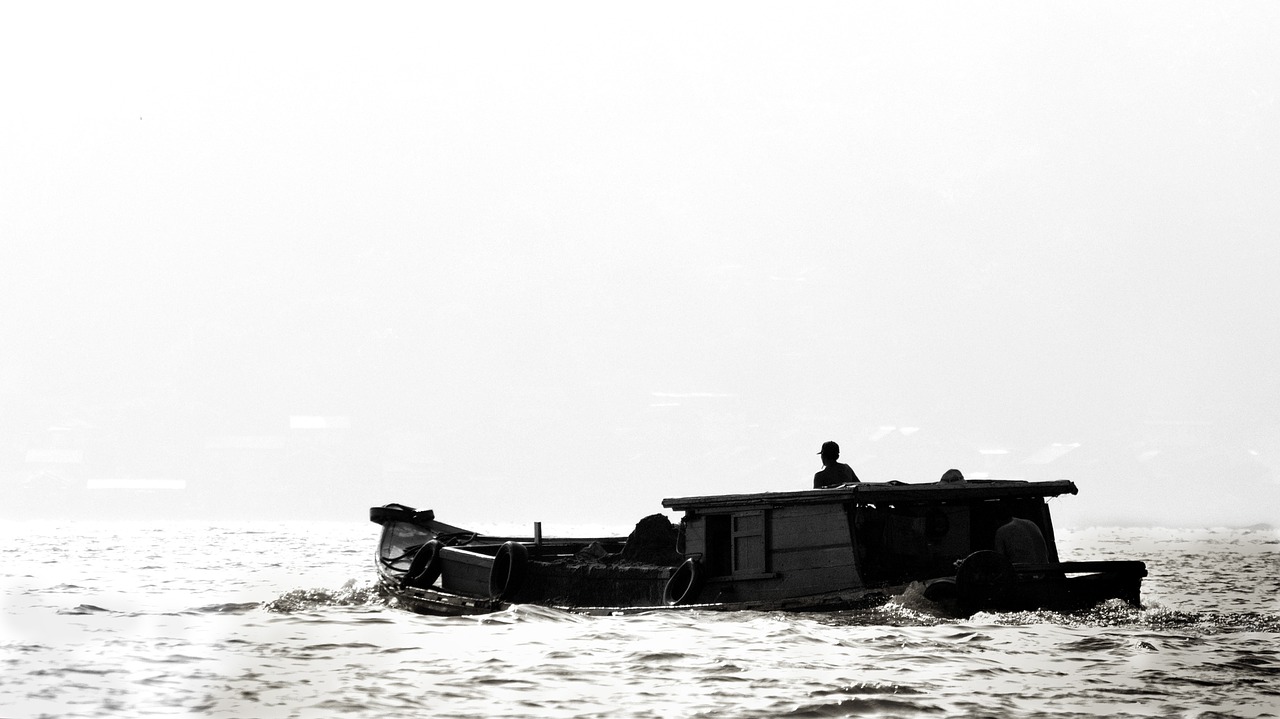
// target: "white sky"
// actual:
[[574, 258]]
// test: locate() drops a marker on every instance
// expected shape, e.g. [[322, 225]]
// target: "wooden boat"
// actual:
[[812, 550]]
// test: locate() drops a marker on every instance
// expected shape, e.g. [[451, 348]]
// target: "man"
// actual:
[[833, 473], [1021, 542]]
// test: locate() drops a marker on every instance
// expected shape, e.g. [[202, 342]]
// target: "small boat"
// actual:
[[846, 547]]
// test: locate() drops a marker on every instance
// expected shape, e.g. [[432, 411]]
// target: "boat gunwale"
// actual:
[[879, 492]]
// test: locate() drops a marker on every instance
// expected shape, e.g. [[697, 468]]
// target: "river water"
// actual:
[[280, 620]]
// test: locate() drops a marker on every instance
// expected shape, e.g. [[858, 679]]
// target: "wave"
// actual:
[[228, 608], [84, 609], [1118, 615], [860, 706]]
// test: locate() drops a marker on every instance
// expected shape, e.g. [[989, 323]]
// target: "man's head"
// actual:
[[830, 452]]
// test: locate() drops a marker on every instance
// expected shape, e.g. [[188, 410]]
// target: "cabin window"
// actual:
[[897, 542], [989, 515], [736, 544]]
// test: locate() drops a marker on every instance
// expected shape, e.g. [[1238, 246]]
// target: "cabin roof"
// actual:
[[882, 493]]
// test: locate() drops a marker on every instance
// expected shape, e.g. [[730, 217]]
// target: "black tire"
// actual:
[[507, 574], [684, 585], [984, 580], [425, 568]]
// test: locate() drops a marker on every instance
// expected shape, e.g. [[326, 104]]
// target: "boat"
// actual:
[[837, 548]]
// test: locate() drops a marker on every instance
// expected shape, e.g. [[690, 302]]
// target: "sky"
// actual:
[[557, 262]]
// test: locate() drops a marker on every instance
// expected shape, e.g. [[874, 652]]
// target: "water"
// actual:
[[279, 620]]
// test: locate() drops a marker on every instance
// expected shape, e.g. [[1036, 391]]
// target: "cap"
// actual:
[[830, 447]]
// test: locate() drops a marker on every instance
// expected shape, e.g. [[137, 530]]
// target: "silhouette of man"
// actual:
[[833, 473], [1021, 542]]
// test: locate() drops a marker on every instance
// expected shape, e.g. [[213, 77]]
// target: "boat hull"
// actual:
[[469, 573], [1064, 587], [430, 567], [464, 582]]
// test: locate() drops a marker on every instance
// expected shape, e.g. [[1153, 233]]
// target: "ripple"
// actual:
[[896, 689], [330, 647], [84, 609], [229, 608], [1093, 644], [96, 671], [658, 657]]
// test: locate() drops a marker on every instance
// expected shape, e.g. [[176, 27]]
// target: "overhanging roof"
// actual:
[[882, 493]]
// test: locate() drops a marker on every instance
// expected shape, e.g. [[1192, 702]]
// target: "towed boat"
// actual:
[[846, 547]]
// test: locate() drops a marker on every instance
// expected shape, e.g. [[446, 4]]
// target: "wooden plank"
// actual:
[[799, 527], [816, 559], [695, 537], [1125, 566], [795, 574]]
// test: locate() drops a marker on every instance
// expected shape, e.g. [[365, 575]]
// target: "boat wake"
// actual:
[[1116, 614], [1164, 618], [350, 595], [911, 609], [226, 608], [522, 613]]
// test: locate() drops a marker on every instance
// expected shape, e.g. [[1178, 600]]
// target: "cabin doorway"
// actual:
[[737, 544]]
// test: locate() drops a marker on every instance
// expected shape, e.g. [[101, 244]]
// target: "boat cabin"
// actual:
[[773, 545]]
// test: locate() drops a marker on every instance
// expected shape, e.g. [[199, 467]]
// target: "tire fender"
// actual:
[[425, 569], [984, 580], [684, 585], [508, 572]]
